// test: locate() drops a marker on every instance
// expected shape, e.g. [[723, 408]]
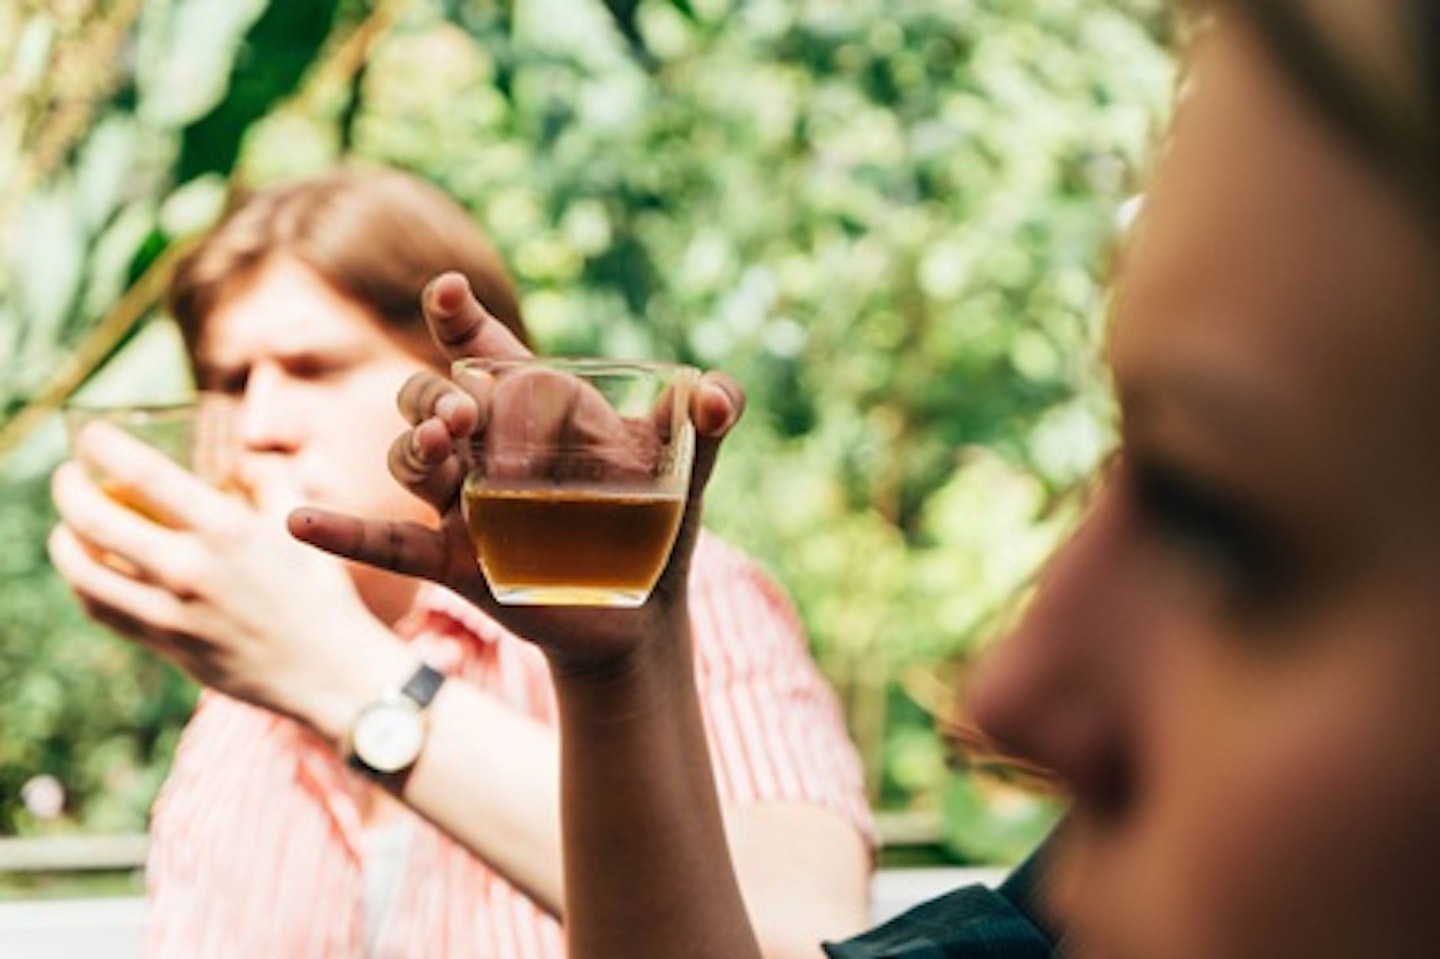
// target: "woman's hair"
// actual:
[[1372, 70], [376, 236]]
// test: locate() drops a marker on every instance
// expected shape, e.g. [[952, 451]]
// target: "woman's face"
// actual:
[[1235, 663]]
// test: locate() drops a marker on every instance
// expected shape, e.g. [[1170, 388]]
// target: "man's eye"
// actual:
[[1223, 536], [228, 382], [308, 367]]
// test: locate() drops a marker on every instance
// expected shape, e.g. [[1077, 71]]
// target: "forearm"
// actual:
[[647, 863], [489, 777], [804, 872]]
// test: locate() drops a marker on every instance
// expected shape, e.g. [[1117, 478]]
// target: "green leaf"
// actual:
[[105, 171], [267, 66], [186, 53], [46, 269]]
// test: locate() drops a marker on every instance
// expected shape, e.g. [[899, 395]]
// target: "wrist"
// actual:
[[388, 735], [368, 668], [649, 678]]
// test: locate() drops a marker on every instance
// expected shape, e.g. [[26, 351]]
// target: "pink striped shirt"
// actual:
[[257, 844]]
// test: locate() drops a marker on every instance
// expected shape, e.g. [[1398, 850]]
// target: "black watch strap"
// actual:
[[423, 685]]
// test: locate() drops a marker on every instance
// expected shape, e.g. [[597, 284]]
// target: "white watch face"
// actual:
[[388, 735]]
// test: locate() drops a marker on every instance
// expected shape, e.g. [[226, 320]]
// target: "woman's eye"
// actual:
[[1223, 536]]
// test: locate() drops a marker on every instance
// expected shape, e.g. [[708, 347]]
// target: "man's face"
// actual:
[[315, 379]]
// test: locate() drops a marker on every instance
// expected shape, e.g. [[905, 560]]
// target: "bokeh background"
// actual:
[[891, 219]]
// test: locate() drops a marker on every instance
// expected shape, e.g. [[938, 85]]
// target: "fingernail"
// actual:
[[435, 292]]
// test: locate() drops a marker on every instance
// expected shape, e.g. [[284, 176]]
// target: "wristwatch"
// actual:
[[388, 734]]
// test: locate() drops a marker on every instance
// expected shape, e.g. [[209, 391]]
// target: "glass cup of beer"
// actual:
[[195, 433], [576, 484]]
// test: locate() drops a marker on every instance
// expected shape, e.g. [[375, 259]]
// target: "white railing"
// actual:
[[113, 927], [60, 854], [72, 928]]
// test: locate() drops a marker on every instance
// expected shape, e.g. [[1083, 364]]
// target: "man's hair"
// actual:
[[376, 236]]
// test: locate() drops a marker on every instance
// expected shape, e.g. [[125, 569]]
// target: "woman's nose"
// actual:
[[1061, 690], [267, 418]]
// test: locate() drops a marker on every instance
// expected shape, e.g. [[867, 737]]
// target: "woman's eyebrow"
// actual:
[[1228, 409]]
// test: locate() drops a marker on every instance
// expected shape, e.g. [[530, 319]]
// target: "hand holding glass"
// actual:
[[195, 434], [577, 481]]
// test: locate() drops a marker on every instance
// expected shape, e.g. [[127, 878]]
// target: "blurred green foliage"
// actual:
[[889, 218]]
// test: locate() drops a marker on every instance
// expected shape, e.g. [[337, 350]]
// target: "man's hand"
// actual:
[[215, 585]]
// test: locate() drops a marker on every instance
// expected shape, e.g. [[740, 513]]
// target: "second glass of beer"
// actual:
[[578, 477]]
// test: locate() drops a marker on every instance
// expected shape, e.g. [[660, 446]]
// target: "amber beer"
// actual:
[[131, 501], [569, 547], [575, 488]]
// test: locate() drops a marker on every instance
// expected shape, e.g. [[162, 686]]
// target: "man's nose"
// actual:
[[267, 419]]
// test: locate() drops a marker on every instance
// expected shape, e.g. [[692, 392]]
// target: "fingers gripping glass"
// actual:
[[577, 481], [196, 434]]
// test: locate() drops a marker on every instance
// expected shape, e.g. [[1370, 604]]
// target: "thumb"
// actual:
[[717, 405], [460, 324]]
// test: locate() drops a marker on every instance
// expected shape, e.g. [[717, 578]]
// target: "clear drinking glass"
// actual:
[[195, 433], [577, 483]]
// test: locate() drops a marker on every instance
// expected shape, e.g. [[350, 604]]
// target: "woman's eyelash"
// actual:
[[1222, 533]]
